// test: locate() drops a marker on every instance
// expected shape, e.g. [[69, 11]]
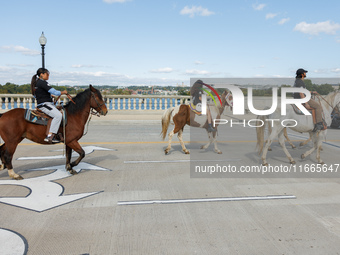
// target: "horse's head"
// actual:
[[227, 99], [97, 101]]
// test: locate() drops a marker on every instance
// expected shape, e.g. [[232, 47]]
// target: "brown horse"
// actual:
[[182, 115], [14, 128]]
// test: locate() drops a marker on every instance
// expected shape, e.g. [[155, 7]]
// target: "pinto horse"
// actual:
[[182, 115], [14, 128]]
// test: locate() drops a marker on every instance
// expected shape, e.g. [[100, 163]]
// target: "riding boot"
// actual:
[[51, 139], [318, 127], [211, 129]]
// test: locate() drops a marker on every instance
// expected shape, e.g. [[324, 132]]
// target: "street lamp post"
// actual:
[[43, 41]]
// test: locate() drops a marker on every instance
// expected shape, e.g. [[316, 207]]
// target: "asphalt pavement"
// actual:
[[131, 198]]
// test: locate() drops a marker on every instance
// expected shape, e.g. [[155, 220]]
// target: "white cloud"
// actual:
[[83, 66], [283, 21], [258, 7], [326, 27], [197, 72], [196, 10], [198, 62], [336, 70], [271, 15], [162, 70], [115, 1], [20, 49]]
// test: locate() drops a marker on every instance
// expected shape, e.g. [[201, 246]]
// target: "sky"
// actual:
[[153, 42]]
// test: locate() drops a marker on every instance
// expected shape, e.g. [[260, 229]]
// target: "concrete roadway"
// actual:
[[139, 170]]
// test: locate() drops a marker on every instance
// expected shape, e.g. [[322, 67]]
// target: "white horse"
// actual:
[[181, 115], [304, 125]]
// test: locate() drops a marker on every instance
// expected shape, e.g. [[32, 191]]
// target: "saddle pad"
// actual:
[[30, 116], [298, 111], [196, 111], [35, 118]]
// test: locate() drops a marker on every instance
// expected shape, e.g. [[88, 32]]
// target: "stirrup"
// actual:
[[51, 139]]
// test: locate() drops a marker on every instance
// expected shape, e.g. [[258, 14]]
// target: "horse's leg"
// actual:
[[317, 145], [283, 145], [210, 141], [2, 151], [307, 153], [77, 148], [287, 138], [273, 134], [269, 132], [171, 134], [180, 138], [319, 148], [68, 158], [214, 141], [8, 156], [306, 141]]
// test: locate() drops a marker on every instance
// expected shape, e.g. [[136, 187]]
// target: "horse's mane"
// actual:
[[80, 100], [331, 96]]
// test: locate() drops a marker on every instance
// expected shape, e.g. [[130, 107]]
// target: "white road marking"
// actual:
[[46, 194], [12, 243], [179, 161], [196, 200], [87, 149]]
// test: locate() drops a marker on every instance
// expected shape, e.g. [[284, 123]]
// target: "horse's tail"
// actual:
[[260, 133], [0, 115], [166, 121]]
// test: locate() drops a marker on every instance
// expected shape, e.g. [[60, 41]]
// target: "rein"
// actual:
[[333, 107], [93, 112], [69, 97]]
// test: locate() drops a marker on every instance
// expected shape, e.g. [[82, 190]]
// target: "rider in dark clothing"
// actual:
[[299, 82]]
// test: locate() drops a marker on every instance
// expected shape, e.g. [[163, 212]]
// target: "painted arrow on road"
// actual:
[[46, 194]]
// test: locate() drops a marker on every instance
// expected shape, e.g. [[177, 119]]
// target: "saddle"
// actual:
[[40, 118], [299, 112]]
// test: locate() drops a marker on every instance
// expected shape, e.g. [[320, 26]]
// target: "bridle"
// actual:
[[99, 106]]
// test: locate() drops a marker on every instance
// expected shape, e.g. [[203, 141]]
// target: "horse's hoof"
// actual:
[[293, 162], [73, 172], [321, 163], [269, 149], [2, 167], [187, 152], [19, 177], [303, 156], [265, 164], [219, 152], [294, 147], [166, 152]]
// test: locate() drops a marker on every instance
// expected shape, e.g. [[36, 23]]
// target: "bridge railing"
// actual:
[[113, 102]]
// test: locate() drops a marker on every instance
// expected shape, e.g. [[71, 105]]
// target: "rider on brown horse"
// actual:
[[43, 94]]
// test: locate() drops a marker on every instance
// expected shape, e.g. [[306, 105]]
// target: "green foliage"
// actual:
[[183, 92]]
